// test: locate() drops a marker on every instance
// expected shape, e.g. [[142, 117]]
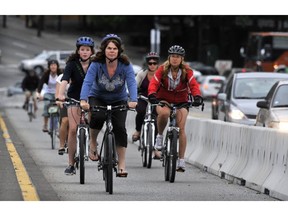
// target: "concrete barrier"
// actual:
[[254, 157]]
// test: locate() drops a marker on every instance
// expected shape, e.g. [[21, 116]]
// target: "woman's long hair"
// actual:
[[183, 66]]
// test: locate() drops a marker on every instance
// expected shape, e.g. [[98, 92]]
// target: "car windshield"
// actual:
[[253, 88], [281, 97]]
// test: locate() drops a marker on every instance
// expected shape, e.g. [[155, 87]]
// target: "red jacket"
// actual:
[[179, 94]]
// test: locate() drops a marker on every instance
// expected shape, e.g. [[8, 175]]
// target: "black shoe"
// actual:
[[61, 151], [70, 170]]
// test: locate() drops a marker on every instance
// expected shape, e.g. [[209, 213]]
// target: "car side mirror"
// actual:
[[222, 96], [262, 104]]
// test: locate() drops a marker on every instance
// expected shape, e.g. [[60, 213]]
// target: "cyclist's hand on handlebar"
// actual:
[[152, 99], [132, 105], [84, 105], [197, 100], [60, 98]]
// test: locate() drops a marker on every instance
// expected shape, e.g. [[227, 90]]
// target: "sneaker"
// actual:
[[45, 129], [70, 170], [158, 142], [180, 165]]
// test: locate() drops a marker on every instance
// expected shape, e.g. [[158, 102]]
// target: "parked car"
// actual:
[[15, 89], [243, 90], [39, 62], [273, 112], [210, 85]]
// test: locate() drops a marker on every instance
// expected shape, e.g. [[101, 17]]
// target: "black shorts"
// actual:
[[118, 121]]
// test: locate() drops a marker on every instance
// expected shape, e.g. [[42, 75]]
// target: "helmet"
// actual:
[[152, 55], [111, 36], [53, 61], [176, 49], [84, 41]]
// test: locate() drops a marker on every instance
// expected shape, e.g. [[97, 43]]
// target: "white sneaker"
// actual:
[[180, 165], [158, 142]]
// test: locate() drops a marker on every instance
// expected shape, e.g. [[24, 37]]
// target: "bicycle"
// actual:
[[108, 155], [82, 134], [170, 149], [147, 138], [53, 111]]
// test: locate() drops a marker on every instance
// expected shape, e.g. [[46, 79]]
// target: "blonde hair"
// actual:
[[183, 66]]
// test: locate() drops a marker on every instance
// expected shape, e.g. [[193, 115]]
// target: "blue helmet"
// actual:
[[85, 41], [111, 36]]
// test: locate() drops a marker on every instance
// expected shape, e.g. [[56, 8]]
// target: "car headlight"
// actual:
[[282, 126], [236, 114]]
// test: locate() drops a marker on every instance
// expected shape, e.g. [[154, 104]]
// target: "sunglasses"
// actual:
[[152, 63]]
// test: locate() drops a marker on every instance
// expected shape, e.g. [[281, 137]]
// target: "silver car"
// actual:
[[243, 90], [273, 112], [39, 62]]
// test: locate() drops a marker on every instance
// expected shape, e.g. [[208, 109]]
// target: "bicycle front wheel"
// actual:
[[173, 155], [108, 164], [53, 131], [82, 145], [143, 147], [149, 145]]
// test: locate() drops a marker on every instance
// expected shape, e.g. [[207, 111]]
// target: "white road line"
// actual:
[[24, 46]]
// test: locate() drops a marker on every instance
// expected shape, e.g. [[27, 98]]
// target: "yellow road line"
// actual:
[[29, 192]]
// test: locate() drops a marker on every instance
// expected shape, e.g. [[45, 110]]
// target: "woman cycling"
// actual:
[[172, 82], [74, 73], [105, 84], [48, 78], [143, 78]]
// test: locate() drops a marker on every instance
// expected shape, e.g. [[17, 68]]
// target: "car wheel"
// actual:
[[39, 70]]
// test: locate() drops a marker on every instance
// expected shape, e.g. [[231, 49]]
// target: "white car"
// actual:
[[210, 85], [39, 62]]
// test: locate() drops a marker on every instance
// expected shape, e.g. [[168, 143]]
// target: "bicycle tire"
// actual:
[[166, 154], [82, 145], [30, 111], [149, 145], [143, 148], [173, 155], [52, 133], [108, 165]]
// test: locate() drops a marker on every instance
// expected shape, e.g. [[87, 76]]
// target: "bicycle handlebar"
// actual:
[[122, 107]]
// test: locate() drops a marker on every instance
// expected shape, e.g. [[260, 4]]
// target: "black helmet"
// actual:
[[111, 36], [176, 49], [85, 41], [53, 61], [152, 55]]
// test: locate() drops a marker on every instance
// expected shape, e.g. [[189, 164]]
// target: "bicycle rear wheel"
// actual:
[[82, 145], [108, 164], [30, 111], [149, 144], [173, 155]]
